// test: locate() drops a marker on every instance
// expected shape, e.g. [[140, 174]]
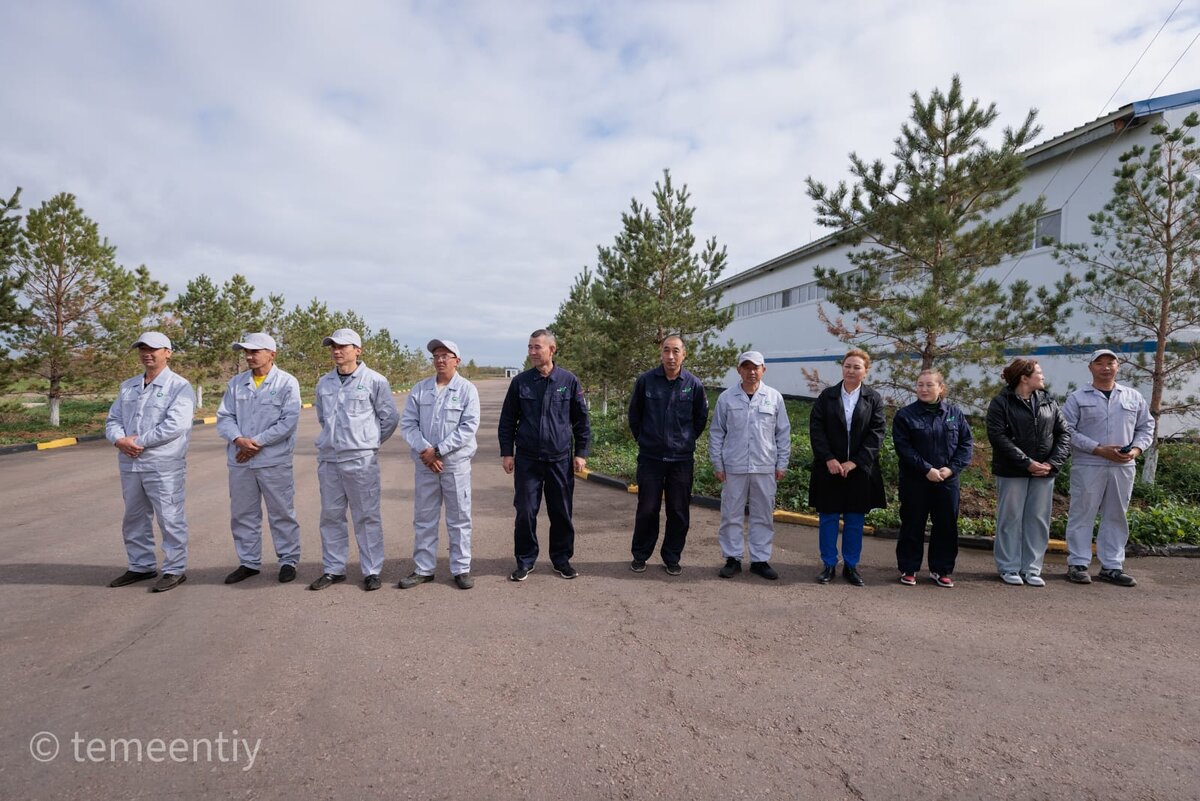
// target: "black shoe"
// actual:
[[850, 574], [464, 581], [827, 574], [413, 579], [673, 568], [241, 574], [131, 577], [520, 574], [566, 571], [287, 573], [325, 580], [1118, 577], [371, 582], [638, 566], [731, 569], [169, 581], [764, 569]]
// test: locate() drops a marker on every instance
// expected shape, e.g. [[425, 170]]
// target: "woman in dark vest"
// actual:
[[846, 427], [1030, 443], [933, 445]]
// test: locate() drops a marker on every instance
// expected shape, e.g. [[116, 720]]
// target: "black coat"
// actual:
[[1018, 437], [862, 490]]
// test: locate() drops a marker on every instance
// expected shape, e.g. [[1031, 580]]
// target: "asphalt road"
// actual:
[[615, 685]]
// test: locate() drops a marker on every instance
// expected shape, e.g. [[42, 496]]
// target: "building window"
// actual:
[[1048, 229]]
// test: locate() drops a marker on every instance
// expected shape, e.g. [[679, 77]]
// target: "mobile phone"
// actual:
[[1126, 449]]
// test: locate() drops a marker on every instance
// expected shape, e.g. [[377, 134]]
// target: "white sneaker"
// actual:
[[1034, 580], [1011, 578]]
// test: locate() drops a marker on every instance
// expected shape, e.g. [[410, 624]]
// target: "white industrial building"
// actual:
[[775, 303]]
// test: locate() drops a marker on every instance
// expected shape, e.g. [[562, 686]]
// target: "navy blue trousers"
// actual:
[[658, 479], [920, 500], [531, 478]]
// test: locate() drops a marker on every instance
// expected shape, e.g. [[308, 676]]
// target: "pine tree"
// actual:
[[64, 266], [652, 283], [12, 315], [1143, 268], [927, 233], [203, 349]]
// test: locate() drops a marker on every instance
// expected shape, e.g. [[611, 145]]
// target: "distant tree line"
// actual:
[[69, 311]]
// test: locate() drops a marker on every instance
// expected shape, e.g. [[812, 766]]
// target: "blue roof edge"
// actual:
[[1141, 108]]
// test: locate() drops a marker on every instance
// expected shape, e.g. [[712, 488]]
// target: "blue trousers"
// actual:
[[852, 534], [656, 479], [532, 477]]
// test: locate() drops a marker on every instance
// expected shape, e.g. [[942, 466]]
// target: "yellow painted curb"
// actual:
[[208, 421], [306, 406], [807, 520], [631, 489], [57, 443]]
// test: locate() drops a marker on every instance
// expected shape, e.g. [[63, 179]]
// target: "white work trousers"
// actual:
[[431, 491], [148, 495], [1105, 490], [249, 489], [759, 490], [353, 483]]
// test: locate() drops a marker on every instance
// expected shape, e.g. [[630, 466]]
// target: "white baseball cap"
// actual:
[[1096, 354], [751, 356], [449, 345], [153, 339], [256, 341], [343, 336]]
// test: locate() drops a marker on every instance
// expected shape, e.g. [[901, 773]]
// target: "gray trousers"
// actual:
[[1022, 523], [431, 491], [759, 490], [1103, 490], [249, 489], [354, 484], [148, 495]]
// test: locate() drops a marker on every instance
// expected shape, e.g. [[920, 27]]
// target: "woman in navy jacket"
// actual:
[[846, 427], [933, 443]]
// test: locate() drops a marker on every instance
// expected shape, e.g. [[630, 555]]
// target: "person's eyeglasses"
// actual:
[[444, 357]]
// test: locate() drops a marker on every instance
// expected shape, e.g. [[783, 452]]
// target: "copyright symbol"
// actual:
[[43, 746]]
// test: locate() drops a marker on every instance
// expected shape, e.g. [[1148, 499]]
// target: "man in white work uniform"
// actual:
[[439, 422], [258, 417], [150, 423], [357, 414], [1111, 426]]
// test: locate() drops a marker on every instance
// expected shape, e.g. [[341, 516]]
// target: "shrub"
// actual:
[[1164, 523]]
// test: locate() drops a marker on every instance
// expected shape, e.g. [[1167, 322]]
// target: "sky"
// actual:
[[446, 169]]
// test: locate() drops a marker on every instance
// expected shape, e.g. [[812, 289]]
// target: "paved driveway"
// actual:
[[615, 685]]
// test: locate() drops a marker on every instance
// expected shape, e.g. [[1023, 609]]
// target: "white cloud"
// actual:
[[448, 168]]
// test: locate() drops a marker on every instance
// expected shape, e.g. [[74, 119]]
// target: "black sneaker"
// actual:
[[372, 582], [413, 579], [637, 566], [731, 569], [566, 571], [673, 568], [325, 580], [520, 574], [1078, 574], [132, 577], [464, 581], [241, 574], [1118, 577], [169, 581], [764, 569]]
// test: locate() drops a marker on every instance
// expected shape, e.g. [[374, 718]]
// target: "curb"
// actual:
[[66, 442]]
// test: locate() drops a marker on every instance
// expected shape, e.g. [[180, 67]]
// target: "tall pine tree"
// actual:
[[927, 232]]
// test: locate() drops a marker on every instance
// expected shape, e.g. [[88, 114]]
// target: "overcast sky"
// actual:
[[447, 168]]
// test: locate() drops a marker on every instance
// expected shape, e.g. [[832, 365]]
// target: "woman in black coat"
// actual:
[[846, 427], [1030, 443]]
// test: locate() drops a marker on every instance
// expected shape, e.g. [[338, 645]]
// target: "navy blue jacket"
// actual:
[[667, 416], [542, 415], [926, 438]]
